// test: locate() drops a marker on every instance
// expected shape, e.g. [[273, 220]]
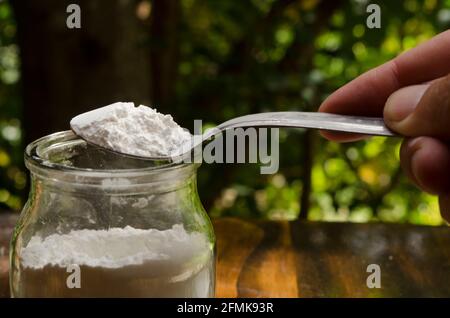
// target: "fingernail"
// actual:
[[403, 102]]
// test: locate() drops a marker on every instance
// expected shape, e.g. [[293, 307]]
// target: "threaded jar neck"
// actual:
[[64, 160]]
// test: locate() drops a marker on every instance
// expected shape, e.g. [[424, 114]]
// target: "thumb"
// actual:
[[421, 110]]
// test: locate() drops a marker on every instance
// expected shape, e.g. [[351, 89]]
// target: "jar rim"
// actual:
[[36, 163]]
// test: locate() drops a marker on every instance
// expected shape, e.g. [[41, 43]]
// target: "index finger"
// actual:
[[367, 94]]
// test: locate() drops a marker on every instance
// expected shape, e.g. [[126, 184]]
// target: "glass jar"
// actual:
[[97, 224]]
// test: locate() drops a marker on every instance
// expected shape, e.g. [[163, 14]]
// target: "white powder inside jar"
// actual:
[[119, 262], [140, 131], [113, 248]]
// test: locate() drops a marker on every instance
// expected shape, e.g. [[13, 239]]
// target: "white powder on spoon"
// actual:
[[139, 131]]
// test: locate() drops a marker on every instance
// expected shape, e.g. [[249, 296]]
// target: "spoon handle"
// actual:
[[352, 124]]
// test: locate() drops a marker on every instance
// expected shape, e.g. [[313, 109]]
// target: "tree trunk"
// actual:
[[164, 51], [69, 71]]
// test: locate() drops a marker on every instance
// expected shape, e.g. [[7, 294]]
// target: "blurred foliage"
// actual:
[[239, 57], [252, 56], [12, 176]]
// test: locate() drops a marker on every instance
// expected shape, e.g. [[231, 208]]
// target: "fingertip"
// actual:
[[406, 152], [429, 164], [402, 103], [341, 136], [444, 207], [327, 105], [399, 110]]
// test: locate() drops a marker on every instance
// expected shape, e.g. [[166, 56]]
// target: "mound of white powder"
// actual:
[[114, 248], [119, 262], [124, 128]]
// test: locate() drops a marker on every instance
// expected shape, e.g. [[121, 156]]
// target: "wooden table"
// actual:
[[7, 222], [286, 259]]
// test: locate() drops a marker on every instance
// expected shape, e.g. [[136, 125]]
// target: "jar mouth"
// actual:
[[64, 153]]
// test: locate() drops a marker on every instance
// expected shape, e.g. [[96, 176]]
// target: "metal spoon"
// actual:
[[325, 121]]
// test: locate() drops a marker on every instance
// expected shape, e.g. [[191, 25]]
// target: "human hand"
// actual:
[[412, 93]]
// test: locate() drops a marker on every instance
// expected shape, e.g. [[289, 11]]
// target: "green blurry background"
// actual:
[[214, 60]]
